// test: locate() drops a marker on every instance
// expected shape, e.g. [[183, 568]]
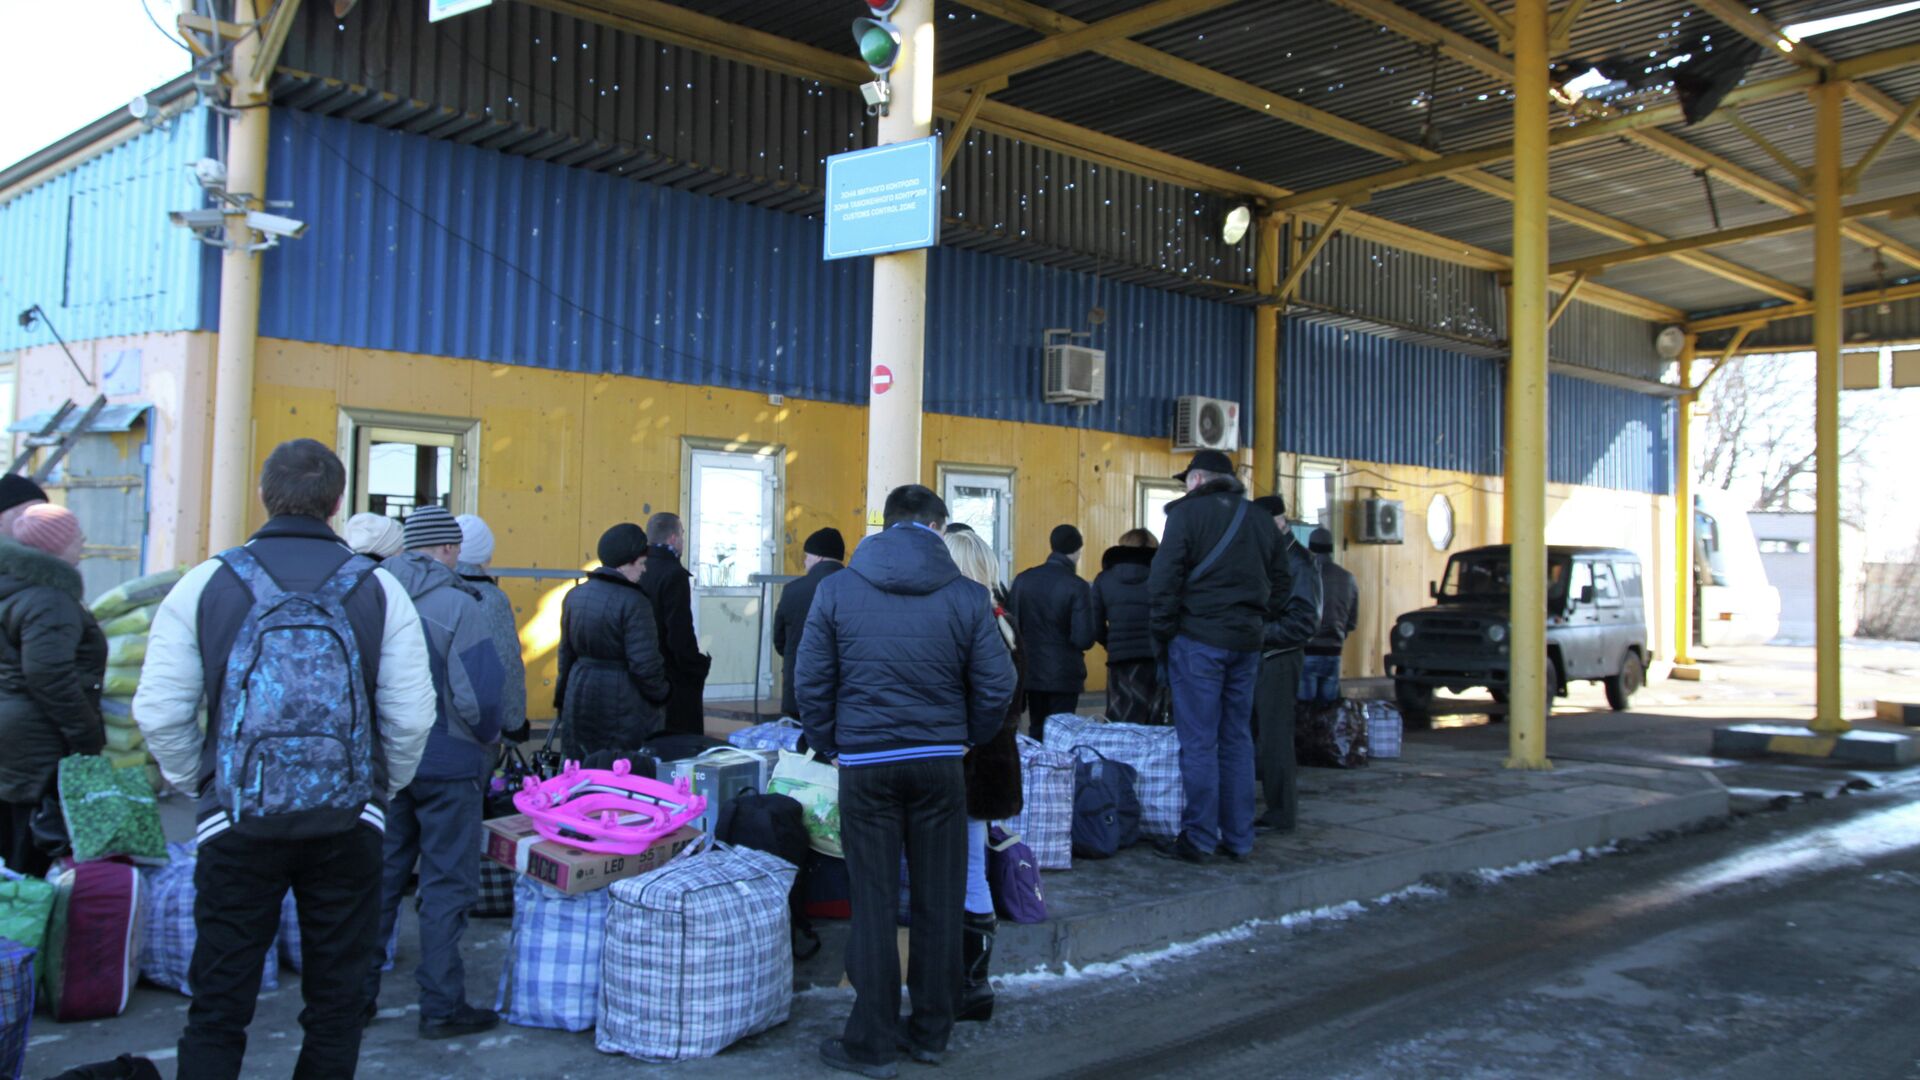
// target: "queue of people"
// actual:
[[909, 665]]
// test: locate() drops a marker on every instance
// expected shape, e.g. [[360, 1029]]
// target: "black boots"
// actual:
[[976, 993]]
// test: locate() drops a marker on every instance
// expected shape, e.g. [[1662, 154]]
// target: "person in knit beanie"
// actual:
[[476, 557], [376, 536], [16, 494], [52, 529]]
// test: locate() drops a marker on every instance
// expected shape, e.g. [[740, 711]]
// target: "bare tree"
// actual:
[[1759, 431], [1890, 598]]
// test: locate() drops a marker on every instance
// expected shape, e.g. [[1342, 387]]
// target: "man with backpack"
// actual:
[[319, 701], [436, 819]]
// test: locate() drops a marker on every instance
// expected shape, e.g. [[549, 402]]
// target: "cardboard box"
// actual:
[[512, 842]]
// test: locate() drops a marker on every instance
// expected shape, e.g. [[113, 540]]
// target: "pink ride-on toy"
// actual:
[[607, 810]]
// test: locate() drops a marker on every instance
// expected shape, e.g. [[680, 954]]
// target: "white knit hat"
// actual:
[[374, 534], [476, 540]]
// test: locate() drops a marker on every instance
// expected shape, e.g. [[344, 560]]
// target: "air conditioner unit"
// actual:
[[1203, 423], [1076, 375], [1382, 521]]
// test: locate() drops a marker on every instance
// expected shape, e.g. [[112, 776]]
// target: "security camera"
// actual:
[[876, 94], [197, 219], [276, 224], [210, 174]]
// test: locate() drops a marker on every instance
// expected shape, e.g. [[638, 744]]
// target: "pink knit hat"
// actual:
[[52, 529]]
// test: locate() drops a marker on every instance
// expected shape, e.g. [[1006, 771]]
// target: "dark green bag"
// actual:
[[109, 811]]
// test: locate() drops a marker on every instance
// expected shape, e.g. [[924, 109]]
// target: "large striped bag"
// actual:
[[552, 975], [1152, 751], [698, 955], [1045, 821]]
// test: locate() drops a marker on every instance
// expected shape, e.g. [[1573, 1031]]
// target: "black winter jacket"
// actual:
[[52, 658], [790, 625], [1293, 617], [1226, 606], [1053, 614], [994, 785], [669, 586], [612, 682], [902, 651], [1120, 604], [1339, 607]]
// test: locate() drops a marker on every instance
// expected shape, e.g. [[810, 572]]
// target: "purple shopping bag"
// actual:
[[1014, 878]]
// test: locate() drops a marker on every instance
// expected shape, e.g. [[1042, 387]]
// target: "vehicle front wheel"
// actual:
[[1416, 704], [1622, 687]]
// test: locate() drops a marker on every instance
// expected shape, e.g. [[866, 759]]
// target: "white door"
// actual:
[[733, 512], [984, 502]]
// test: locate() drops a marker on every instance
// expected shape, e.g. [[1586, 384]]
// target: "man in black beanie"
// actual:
[[16, 494], [612, 686], [1052, 610], [826, 554]]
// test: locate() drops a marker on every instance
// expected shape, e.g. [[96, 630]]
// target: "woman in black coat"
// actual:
[[52, 658], [993, 788], [612, 682], [1120, 614]]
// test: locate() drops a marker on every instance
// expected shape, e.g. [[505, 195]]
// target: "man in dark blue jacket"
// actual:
[[901, 669], [826, 554], [1052, 609]]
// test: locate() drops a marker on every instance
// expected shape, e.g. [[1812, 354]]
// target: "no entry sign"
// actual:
[[882, 378]]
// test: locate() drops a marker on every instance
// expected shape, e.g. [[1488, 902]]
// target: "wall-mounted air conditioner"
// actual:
[[1075, 375], [1204, 423]]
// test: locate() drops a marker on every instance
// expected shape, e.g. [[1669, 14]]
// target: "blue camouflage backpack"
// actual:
[[295, 728]]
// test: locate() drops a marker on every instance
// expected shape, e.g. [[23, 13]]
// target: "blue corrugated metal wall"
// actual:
[[431, 247], [985, 322], [1356, 396], [1607, 436], [94, 248], [1352, 395]]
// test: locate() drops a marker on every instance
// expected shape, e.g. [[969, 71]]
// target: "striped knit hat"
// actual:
[[431, 526]]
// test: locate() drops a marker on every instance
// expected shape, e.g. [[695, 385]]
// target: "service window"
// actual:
[[1151, 499], [1317, 493], [1606, 592], [398, 463]]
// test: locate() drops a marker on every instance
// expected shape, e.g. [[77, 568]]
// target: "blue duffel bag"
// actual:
[[1106, 810]]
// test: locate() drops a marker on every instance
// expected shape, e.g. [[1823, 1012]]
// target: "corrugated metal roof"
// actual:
[[1900, 322], [118, 417], [93, 246], [1378, 283], [1603, 340]]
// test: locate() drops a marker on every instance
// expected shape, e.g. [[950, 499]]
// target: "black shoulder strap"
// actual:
[[1226, 538]]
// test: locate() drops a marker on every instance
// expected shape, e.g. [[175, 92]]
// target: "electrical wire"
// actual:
[[163, 30]]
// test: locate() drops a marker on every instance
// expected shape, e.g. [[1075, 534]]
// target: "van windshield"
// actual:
[[1482, 576]]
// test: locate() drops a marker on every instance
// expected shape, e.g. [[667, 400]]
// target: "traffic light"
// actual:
[[878, 38]]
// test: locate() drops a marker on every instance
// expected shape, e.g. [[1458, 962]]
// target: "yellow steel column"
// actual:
[[1826, 402], [1506, 428], [900, 286], [1527, 693], [1683, 512], [1266, 359], [233, 485]]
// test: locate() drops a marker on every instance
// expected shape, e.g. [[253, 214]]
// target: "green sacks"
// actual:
[[127, 649], [137, 621], [109, 811], [121, 681], [137, 593], [25, 903]]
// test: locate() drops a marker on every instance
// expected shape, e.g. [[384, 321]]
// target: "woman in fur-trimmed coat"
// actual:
[[993, 787]]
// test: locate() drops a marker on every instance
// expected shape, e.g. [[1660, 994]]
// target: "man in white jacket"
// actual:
[[319, 709]]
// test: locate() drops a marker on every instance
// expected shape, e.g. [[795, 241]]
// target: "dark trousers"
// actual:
[[1132, 686], [17, 848], [1273, 723], [921, 805], [1044, 703], [1213, 714], [240, 883], [1320, 678], [438, 823], [687, 708]]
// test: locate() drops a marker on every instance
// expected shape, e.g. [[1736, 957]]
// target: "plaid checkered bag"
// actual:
[[698, 955], [16, 1005], [1045, 822], [552, 976], [781, 734], [167, 947], [496, 891], [1152, 751]]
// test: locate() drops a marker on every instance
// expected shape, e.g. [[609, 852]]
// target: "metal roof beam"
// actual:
[[1087, 36], [1268, 103], [1788, 311], [1594, 263], [1453, 45]]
